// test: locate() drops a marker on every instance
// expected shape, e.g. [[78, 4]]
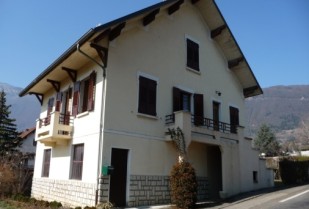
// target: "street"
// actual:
[[295, 197]]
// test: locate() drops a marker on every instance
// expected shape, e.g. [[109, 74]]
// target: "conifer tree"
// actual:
[[266, 141], [9, 140]]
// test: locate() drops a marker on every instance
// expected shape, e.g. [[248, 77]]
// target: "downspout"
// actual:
[[100, 155]]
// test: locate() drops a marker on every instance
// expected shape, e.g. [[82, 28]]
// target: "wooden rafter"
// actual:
[[250, 90], [102, 35], [150, 17], [217, 31], [194, 1], [115, 32], [235, 62], [72, 73], [55, 84], [102, 52], [175, 7], [39, 96]]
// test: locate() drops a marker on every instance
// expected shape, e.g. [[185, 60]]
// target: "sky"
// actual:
[[272, 34]]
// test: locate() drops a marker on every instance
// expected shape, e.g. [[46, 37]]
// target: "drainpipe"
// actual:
[[100, 156]]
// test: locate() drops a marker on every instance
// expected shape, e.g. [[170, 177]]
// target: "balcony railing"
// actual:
[[206, 122], [54, 128]]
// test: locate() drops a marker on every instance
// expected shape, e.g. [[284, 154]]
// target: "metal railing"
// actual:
[[206, 122], [64, 119]]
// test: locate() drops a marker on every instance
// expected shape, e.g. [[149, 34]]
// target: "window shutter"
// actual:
[[192, 55], [147, 98], [91, 91], [58, 101], [198, 109], [234, 119], [50, 105], [76, 90], [176, 99]]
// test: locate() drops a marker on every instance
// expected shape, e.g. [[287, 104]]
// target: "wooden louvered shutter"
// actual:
[[147, 96], [58, 101], [50, 105], [76, 90], [192, 55], [91, 91], [176, 99], [198, 109]]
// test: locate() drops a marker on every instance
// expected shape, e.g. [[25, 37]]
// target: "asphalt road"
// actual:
[[285, 198]]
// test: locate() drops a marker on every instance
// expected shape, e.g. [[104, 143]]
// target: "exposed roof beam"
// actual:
[[102, 35], [217, 31], [115, 32], [194, 1], [175, 7], [72, 73], [150, 17], [55, 84], [40, 97], [102, 52], [250, 90], [235, 62]]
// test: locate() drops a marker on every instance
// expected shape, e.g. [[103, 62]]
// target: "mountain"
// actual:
[[284, 108], [24, 109]]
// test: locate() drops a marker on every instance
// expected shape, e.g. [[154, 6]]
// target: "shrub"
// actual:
[[294, 171], [105, 205], [183, 185], [55, 205]]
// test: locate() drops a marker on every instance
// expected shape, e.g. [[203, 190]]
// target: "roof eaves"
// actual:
[[86, 37], [249, 68], [64, 56]]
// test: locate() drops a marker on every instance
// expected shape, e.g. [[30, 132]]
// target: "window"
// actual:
[[234, 119], [46, 162], [193, 55], [181, 100], [255, 177], [147, 98], [77, 161], [84, 95]]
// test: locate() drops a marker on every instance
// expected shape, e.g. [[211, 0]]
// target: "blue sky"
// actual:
[[273, 34]]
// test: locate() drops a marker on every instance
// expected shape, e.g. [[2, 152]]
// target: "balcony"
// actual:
[[202, 129], [207, 123], [55, 129]]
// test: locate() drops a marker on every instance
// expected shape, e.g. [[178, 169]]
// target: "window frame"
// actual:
[[77, 162], [147, 106], [45, 164]]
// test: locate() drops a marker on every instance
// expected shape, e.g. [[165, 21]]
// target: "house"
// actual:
[[109, 100], [28, 147]]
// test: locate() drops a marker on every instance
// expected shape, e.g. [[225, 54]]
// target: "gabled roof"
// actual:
[[27, 132], [220, 32]]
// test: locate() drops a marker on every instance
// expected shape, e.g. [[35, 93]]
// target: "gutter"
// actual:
[[102, 115]]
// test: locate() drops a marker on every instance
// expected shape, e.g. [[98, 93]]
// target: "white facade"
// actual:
[[147, 50]]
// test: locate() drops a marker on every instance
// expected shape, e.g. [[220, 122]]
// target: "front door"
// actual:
[[118, 180]]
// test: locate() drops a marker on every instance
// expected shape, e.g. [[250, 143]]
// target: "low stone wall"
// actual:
[[149, 190], [154, 190], [68, 192]]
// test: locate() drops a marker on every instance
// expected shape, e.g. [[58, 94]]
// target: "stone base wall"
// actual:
[[149, 190], [154, 190], [68, 192]]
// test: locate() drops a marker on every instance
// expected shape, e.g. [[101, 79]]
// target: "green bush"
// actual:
[[55, 205], [183, 185], [293, 171]]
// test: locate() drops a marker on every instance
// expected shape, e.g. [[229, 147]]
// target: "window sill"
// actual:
[[142, 115], [83, 114], [193, 70]]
